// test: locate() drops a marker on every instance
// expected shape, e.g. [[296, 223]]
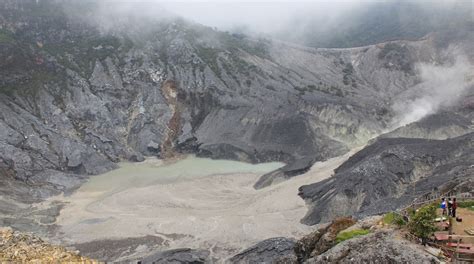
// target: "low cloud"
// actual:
[[317, 23]]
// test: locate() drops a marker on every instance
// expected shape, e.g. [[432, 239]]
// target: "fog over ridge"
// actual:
[[319, 23]]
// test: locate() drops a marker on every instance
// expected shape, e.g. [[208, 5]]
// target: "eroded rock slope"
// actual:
[[389, 174], [75, 97]]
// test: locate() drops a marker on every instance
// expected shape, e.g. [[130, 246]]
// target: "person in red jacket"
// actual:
[[454, 207], [450, 207]]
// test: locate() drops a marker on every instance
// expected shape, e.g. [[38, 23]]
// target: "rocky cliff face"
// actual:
[[76, 98], [443, 125], [389, 174], [380, 245]]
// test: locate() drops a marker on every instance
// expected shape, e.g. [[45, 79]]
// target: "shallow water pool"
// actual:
[[154, 171]]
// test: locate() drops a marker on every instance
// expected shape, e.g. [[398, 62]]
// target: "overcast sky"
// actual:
[[270, 17], [262, 16]]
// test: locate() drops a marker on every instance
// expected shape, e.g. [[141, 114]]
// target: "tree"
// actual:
[[422, 223]]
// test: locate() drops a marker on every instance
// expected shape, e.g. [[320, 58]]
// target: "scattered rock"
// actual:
[[153, 147]]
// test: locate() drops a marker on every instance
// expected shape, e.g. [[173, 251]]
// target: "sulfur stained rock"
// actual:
[[21, 247]]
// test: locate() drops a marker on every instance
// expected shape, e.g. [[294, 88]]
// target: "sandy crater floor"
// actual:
[[210, 204]]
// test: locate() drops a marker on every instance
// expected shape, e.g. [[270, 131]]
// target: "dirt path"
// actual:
[[467, 222]]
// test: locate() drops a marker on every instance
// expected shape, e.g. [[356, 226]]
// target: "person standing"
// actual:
[[450, 207], [454, 207], [443, 205]]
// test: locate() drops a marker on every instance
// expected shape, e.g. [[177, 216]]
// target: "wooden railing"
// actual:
[[450, 252], [434, 198]]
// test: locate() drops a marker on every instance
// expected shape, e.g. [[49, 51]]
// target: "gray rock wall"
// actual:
[[387, 175]]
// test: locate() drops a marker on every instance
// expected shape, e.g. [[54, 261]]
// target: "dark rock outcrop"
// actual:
[[379, 247], [442, 125], [178, 256], [111, 250], [387, 175], [273, 250], [321, 240], [295, 168], [284, 250]]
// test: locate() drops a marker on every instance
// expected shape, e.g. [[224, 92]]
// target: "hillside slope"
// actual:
[[388, 175], [76, 98]]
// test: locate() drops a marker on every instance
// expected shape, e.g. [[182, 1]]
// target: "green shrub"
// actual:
[[411, 212], [422, 223], [393, 218], [466, 204], [210, 56], [343, 236]]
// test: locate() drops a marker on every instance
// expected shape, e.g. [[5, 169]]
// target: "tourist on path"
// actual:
[[443, 206], [450, 207], [455, 206]]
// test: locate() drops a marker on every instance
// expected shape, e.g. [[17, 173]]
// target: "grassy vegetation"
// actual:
[[210, 57], [232, 64], [466, 204], [303, 90], [393, 218], [333, 90], [396, 55], [391, 48], [348, 77], [222, 54], [85, 52], [34, 84], [229, 41], [347, 71], [6, 37], [234, 42], [343, 236]]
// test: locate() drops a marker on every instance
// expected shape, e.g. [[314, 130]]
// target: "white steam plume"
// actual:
[[442, 86]]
